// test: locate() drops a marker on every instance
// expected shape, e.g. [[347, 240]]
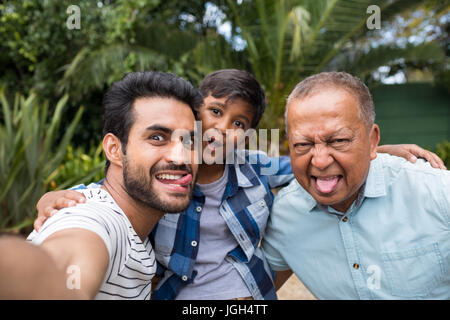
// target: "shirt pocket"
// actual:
[[259, 212], [165, 235], [415, 272]]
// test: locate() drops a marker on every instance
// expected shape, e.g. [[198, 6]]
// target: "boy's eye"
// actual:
[[239, 124], [215, 111]]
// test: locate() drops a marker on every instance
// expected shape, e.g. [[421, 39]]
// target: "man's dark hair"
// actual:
[[120, 97], [233, 83]]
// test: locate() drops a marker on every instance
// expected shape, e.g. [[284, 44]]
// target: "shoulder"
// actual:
[[396, 169], [292, 198], [419, 184], [99, 214]]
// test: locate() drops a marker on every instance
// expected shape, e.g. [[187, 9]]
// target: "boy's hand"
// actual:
[[411, 152], [53, 201]]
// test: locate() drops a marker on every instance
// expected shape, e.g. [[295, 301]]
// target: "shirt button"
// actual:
[[261, 203], [184, 278], [198, 209], [344, 219], [194, 243], [355, 266]]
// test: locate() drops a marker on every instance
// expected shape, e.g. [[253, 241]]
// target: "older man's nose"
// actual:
[[321, 158]]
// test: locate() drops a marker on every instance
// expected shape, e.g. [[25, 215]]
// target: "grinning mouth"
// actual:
[[174, 179]]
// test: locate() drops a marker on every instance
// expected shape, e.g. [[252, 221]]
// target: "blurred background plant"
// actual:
[[443, 151], [78, 167], [32, 155]]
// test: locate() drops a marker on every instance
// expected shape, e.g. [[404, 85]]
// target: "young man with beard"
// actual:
[[211, 250], [100, 249]]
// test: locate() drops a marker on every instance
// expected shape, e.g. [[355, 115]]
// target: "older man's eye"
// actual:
[[339, 142], [303, 146]]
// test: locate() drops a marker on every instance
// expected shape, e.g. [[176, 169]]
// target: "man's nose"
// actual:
[[321, 158], [179, 153]]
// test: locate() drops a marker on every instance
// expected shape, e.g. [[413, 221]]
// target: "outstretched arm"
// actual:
[[70, 264]]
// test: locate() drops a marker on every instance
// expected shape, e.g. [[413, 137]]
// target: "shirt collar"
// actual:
[[375, 183], [240, 174]]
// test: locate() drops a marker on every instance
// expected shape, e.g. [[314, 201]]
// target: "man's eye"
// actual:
[[188, 142], [215, 111], [157, 137]]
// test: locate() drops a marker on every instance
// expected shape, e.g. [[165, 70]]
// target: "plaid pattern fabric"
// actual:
[[245, 207]]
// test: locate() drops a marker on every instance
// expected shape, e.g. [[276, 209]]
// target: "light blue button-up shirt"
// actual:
[[393, 242]]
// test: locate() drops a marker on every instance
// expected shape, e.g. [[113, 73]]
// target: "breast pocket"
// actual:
[[414, 273], [165, 235], [260, 213]]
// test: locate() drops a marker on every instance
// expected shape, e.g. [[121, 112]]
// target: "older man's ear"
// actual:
[[374, 137]]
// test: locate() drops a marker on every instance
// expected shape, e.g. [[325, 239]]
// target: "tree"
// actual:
[[288, 40]]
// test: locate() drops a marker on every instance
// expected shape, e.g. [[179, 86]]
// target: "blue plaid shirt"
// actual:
[[246, 204]]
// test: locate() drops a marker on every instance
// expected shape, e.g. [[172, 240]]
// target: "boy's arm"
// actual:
[[278, 170], [70, 264]]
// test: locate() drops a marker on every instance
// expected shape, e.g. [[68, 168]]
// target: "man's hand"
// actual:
[[411, 152], [53, 201]]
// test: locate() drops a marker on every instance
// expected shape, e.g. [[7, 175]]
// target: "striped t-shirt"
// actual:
[[131, 262]]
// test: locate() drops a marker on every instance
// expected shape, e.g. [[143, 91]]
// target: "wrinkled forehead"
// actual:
[[327, 110]]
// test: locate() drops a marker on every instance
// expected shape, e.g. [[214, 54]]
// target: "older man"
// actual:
[[354, 224]]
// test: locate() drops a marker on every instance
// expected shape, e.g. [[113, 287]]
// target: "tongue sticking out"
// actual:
[[327, 185], [182, 181]]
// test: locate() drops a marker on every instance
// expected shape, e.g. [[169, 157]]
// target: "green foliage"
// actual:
[[288, 40], [30, 150], [78, 167], [443, 151]]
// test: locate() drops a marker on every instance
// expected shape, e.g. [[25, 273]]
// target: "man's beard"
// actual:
[[140, 188]]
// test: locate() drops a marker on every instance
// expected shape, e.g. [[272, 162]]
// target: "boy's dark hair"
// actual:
[[233, 83], [119, 99]]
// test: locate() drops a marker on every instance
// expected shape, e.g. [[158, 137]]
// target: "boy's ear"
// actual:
[[113, 149]]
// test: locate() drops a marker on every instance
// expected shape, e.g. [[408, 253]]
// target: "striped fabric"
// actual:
[[245, 207], [131, 262]]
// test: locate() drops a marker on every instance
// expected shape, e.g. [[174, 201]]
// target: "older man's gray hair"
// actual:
[[338, 80]]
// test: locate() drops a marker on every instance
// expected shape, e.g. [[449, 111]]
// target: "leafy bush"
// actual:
[[443, 151], [30, 151], [78, 167]]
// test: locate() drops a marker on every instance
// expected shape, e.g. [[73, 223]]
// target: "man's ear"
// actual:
[[374, 138], [113, 149]]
